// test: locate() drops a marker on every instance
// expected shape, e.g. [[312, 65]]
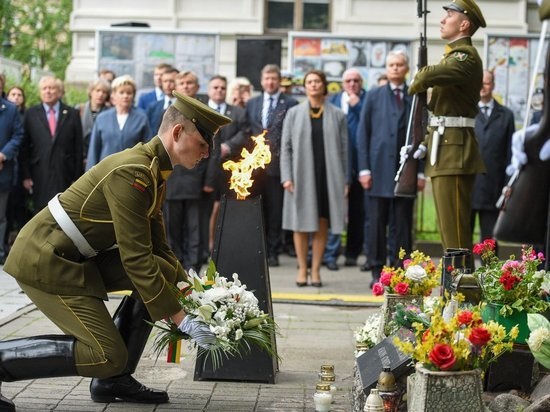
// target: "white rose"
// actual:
[[415, 273]]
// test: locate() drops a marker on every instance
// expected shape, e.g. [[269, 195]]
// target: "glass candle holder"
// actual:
[[374, 402], [388, 391], [322, 397]]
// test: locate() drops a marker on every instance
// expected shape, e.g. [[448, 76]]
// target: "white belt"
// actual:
[[451, 121], [70, 229], [440, 123]]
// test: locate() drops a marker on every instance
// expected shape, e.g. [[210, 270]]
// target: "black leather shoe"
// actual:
[[332, 266], [364, 268], [350, 262], [5, 404], [273, 261], [125, 388]]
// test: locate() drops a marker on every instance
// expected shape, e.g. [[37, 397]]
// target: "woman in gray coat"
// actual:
[[313, 174]]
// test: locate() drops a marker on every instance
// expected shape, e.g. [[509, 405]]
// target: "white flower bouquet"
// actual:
[[228, 309], [368, 334]]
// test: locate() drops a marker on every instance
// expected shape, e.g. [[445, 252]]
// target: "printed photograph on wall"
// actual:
[[335, 54]]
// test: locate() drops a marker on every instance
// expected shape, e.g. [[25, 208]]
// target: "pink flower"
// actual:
[[540, 256], [402, 288], [385, 278], [378, 289], [406, 263]]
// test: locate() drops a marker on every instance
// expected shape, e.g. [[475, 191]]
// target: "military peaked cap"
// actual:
[[206, 120], [470, 9]]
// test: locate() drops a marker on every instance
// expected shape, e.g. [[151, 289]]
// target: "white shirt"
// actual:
[[215, 106], [490, 106]]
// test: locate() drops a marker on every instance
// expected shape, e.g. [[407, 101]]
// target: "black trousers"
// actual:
[[487, 221], [356, 220], [381, 210], [271, 190]]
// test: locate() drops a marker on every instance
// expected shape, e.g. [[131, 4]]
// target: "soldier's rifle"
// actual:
[[406, 177]]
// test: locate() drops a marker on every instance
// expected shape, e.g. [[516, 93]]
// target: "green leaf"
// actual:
[[536, 320], [211, 270]]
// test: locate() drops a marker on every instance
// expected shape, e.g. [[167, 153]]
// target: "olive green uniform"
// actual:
[[456, 82], [117, 208]]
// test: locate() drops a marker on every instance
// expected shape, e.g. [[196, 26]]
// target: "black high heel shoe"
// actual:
[[301, 284], [317, 284]]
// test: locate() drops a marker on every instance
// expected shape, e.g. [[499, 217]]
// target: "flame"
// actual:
[[241, 171]]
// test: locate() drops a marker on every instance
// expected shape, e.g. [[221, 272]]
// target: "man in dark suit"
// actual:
[[11, 136], [494, 128], [267, 112], [351, 101], [189, 197], [156, 110], [228, 143], [147, 99], [52, 150], [381, 133]]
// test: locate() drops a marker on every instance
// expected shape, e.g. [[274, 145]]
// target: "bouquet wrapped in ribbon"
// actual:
[[230, 312]]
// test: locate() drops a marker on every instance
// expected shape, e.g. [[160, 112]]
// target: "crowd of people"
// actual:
[[334, 157]]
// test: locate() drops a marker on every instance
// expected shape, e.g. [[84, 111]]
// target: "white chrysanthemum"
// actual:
[[415, 273], [546, 282], [538, 337], [248, 297], [238, 334], [216, 294]]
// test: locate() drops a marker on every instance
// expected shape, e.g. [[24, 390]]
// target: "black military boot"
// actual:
[[130, 320], [35, 357]]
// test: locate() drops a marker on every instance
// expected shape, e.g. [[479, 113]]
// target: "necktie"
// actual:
[[219, 108], [485, 111], [269, 111], [398, 99], [51, 121]]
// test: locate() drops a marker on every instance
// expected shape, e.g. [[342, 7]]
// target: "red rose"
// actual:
[[450, 268], [385, 278], [402, 288], [442, 356], [479, 336], [465, 317], [377, 289]]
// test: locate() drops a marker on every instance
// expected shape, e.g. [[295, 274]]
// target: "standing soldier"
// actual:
[[453, 156]]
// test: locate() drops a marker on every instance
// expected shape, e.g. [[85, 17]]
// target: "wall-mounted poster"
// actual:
[[336, 54], [512, 60], [136, 51]]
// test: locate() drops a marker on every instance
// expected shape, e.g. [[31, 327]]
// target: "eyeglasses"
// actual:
[[352, 81]]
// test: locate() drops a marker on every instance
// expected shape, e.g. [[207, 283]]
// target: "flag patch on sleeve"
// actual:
[[141, 181]]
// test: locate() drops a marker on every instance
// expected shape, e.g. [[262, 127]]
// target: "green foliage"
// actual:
[[38, 32], [73, 94]]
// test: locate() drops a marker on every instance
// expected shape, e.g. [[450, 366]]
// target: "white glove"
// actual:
[[420, 152], [198, 331], [544, 154], [519, 158], [404, 153]]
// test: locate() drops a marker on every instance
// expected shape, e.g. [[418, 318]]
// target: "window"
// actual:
[[283, 15]]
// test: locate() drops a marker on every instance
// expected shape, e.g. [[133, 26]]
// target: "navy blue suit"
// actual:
[[155, 111], [11, 137], [380, 136], [147, 99]]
